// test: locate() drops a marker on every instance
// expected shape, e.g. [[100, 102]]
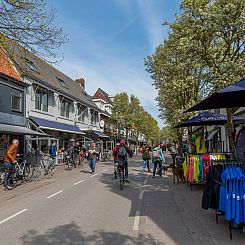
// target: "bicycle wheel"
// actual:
[[27, 174], [121, 180], [12, 181], [36, 172], [1, 177]]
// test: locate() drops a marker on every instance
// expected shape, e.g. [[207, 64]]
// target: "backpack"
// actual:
[[122, 152], [156, 154]]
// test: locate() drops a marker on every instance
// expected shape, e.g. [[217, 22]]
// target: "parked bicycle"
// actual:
[[45, 167]]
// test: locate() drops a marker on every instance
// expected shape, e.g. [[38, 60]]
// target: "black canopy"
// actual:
[[229, 97]]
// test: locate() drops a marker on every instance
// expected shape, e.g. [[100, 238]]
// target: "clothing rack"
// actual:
[[218, 213]]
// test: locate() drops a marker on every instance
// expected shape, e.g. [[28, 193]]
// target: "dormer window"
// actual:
[[31, 65], [62, 82]]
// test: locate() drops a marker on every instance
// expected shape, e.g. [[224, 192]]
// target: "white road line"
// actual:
[[145, 182], [104, 170], [12, 216], [54, 194], [78, 182], [93, 175], [136, 221], [141, 195]]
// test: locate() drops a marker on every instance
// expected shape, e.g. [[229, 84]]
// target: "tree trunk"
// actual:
[[230, 112], [189, 139], [126, 136], [137, 142]]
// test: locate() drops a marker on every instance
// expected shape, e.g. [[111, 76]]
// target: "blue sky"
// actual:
[[108, 41]]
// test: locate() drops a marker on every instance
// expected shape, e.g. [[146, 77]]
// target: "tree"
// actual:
[[131, 116], [204, 52], [30, 24]]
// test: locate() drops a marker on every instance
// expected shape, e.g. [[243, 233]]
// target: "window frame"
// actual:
[[20, 96], [66, 112], [63, 83], [41, 93], [82, 113]]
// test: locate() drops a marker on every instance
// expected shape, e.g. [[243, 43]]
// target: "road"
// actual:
[[81, 208]]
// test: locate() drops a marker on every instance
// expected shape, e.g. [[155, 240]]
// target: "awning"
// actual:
[[12, 129], [211, 135], [101, 134], [46, 124]]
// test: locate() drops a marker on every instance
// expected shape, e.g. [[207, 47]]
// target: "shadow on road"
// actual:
[[70, 234]]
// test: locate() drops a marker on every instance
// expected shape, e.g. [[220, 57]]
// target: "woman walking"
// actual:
[[146, 158]]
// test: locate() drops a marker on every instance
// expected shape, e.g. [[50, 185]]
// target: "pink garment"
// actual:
[[190, 170], [207, 165]]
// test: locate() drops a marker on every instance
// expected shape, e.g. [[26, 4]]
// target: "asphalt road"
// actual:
[[77, 208], [82, 209]]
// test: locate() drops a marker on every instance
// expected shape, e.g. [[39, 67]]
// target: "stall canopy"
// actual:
[[229, 97], [46, 124], [208, 118], [12, 129]]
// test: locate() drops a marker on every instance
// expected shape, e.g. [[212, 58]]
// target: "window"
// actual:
[[94, 117], [82, 113], [16, 100], [41, 101], [31, 65], [64, 108], [62, 82]]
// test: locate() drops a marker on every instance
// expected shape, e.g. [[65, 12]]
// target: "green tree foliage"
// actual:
[[131, 116], [204, 52], [30, 24]]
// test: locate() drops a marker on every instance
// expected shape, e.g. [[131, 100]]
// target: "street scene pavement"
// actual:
[[79, 208]]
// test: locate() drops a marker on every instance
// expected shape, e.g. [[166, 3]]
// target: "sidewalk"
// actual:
[[172, 214]]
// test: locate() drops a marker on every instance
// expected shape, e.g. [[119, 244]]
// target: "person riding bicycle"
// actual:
[[115, 158], [10, 159], [121, 153]]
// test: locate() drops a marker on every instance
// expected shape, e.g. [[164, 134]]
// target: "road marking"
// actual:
[[141, 195], [145, 182], [104, 170], [136, 221], [12, 216], [54, 194], [78, 182], [93, 175]]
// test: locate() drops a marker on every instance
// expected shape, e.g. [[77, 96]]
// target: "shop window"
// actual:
[[82, 113], [16, 100], [41, 101], [64, 108]]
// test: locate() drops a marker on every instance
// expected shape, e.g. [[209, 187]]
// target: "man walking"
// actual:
[[158, 159], [93, 153], [9, 160]]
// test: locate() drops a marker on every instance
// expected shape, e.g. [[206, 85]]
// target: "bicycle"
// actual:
[[121, 173], [20, 172], [44, 169]]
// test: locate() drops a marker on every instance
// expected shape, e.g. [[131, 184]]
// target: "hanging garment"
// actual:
[[196, 168], [201, 170], [190, 175]]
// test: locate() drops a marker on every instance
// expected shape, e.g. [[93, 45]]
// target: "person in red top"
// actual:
[[115, 158]]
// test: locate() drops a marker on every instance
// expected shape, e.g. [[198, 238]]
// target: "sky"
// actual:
[[108, 41]]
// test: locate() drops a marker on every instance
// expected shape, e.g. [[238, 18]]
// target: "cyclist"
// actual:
[[9, 160], [121, 153], [115, 158]]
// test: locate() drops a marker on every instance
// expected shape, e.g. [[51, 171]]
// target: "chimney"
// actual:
[[81, 82]]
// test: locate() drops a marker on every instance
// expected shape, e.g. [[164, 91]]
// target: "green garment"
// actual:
[[161, 158]]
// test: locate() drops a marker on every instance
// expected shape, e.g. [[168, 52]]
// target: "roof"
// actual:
[[102, 95], [6, 67], [47, 74]]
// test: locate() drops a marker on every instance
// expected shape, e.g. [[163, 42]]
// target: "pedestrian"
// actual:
[[173, 153], [146, 158], [9, 161], [158, 159], [93, 153], [53, 150]]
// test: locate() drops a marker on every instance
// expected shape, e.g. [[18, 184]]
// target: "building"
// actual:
[[55, 104], [12, 105]]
